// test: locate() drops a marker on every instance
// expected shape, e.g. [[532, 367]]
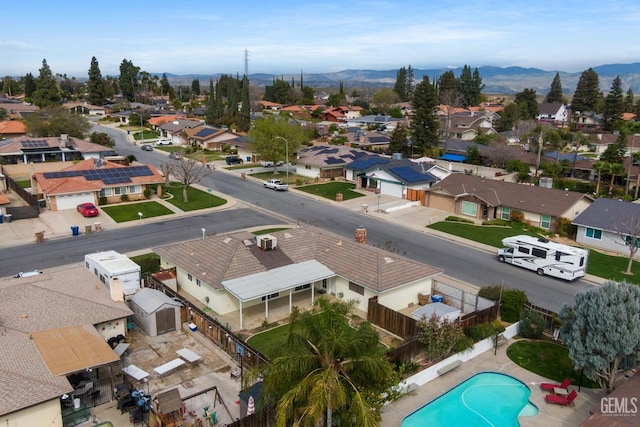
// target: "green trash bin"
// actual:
[[8, 217]]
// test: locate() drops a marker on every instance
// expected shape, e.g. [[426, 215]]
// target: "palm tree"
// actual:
[[327, 369], [600, 167], [615, 169]]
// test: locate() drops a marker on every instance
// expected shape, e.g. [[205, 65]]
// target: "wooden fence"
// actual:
[[548, 315], [390, 320]]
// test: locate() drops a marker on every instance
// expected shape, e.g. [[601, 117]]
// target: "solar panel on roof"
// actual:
[[329, 151], [409, 174], [206, 132], [35, 143], [334, 161]]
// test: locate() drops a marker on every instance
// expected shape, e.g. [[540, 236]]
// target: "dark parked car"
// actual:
[[88, 210], [233, 160], [146, 147]]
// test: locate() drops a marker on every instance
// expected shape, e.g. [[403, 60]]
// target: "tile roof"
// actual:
[[17, 145], [81, 183], [68, 296], [493, 192], [12, 126], [607, 214], [225, 257]]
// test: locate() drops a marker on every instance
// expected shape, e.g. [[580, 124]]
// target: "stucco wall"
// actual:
[[44, 414]]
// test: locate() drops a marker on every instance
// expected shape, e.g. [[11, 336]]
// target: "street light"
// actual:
[[141, 128], [286, 155]]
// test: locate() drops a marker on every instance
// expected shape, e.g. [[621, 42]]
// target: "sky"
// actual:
[[310, 36]]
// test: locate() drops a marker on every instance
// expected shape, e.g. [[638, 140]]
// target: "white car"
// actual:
[[269, 164], [163, 141]]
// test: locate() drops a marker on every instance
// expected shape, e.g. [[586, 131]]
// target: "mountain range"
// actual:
[[497, 80]]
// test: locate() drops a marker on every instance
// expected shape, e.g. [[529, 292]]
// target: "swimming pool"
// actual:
[[485, 399]]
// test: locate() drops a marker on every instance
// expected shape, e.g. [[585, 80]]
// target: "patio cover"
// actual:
[[453, 157], [72, 349], [265, 283]]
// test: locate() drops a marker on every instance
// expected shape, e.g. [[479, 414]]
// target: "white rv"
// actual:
[[544, 257], [110, 265]]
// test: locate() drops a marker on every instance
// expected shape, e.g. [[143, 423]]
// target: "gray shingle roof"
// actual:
[[58, 298], [150, 300], [606, 213], [527, 198], [225, 257]]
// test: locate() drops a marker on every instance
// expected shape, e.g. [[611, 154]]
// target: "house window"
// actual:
[[135, 189], [120, 190], [272, 296], [190, 277], [506, 213], [307, 167], [198, 282], [593, 233], [302, 287], [356, 288], [105, 192], [629, 240], [324, 283], [545, 222], [470, 208]]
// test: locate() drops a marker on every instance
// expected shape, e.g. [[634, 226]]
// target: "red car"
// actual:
[[88, 210]]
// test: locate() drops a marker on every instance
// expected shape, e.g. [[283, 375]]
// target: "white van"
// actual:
[[163, 141]]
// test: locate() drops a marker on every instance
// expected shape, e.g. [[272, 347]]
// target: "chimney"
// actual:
[[361, 235], [115, 287]]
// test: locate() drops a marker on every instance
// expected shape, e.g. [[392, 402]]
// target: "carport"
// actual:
[[269, 284]]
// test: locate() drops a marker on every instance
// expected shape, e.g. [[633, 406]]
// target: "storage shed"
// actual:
[[441, 310], [154, 312]]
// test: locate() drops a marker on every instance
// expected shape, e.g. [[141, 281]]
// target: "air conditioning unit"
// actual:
[[266, 242]]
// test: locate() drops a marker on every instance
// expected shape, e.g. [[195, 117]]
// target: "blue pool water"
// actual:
[[484, 400]]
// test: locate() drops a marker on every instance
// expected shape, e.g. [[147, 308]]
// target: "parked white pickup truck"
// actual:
[[276, 184]]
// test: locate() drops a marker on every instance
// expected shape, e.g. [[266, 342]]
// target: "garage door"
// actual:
[[71, 201], [390, 189]]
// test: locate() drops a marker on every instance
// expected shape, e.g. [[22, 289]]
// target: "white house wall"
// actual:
[[112, 328], [308, 171], [399, 298], [610, 242], [576, 209]]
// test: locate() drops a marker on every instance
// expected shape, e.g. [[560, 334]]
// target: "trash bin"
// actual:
[[1, 218], [87, 229], [437, 298], [75, 230], [98, 226], [40, 237], [8, 217]]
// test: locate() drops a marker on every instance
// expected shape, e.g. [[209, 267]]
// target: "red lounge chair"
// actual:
[[550, 386], [562, 400]]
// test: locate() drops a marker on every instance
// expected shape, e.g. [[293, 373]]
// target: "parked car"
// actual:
[[146, 147], [276, 184], [269, 164], [88, 210], [163, 141], [233, 160], [175, 155]]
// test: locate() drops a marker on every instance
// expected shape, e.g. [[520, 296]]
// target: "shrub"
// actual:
[[511, 306], [498, 221], [564, 228], [490, 292], [464, 343], [124, 197], [102, 200], [516, 216], [479, 332], [532, 324], [458, 219], [147, 193]]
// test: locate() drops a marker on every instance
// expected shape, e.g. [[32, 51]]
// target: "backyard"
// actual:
[[601, 265]]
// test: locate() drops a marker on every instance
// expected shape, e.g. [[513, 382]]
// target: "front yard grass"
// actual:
[[547, 359], [601, 265], [198, 199], [329, 190], [129, 212]]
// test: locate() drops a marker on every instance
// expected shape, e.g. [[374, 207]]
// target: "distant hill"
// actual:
[[499, 80]]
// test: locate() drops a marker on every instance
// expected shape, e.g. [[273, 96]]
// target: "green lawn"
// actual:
[[547, 359], [24, 184], [600, 265], [129, 212], [269, 230], [329, 190], [198, 199], [270, 342]]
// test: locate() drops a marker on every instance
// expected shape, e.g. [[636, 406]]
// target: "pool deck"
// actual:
[[548, 415]]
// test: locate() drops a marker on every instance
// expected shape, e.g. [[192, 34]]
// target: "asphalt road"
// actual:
[[268, 207]]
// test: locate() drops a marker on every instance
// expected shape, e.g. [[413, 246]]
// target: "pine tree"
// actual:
[[400, 86], [29, 85], [211, 115], [46, 93], [587, 92], [195, 86], [555, 92], [96, 94], [244, 124], [448, 89], [128, 80], [628, 108], [470, 87], [166, 87], [410, 83], [527, 103], [614, 105], [424, 127]]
